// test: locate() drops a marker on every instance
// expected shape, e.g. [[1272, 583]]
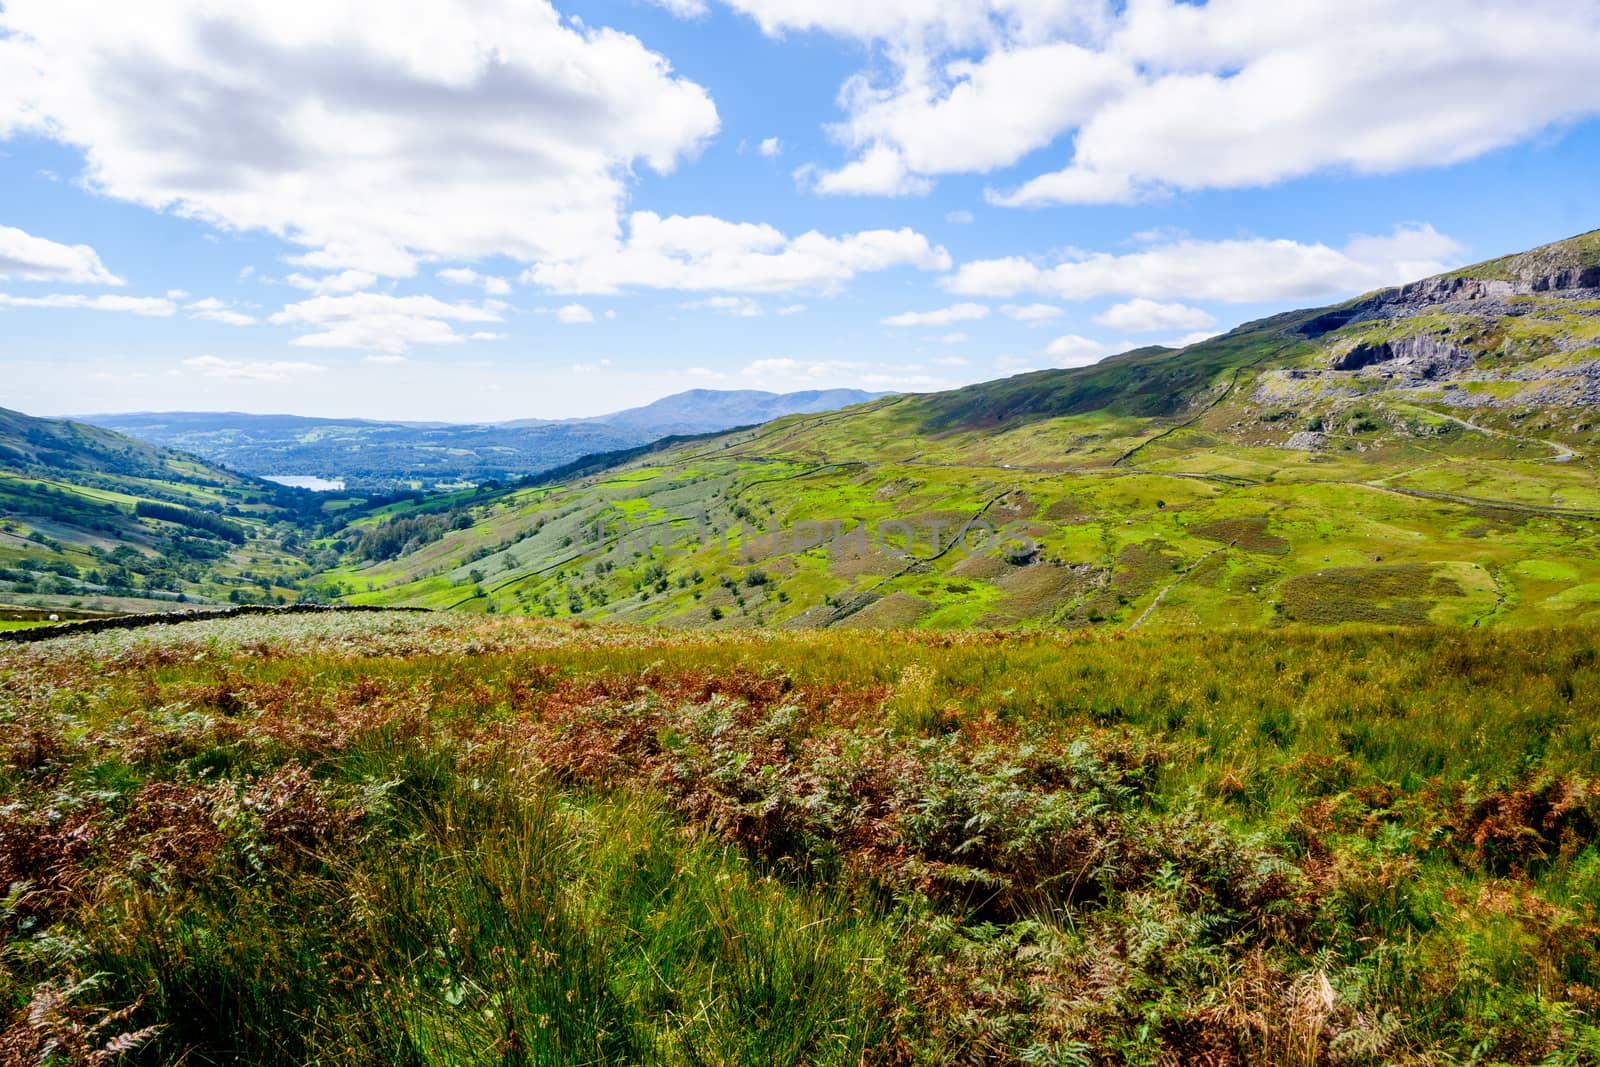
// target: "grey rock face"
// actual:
[[1422, 356], [1465, 296]]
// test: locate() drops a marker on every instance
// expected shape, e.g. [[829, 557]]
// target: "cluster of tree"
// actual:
[[57, 505], [195, 520], [391, 538]]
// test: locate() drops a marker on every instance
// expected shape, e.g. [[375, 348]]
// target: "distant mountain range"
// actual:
[[376, 455]]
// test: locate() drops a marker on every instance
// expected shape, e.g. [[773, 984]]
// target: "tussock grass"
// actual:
[[414, 840]]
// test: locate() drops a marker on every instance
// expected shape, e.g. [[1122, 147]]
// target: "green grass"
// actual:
[[416, 839]]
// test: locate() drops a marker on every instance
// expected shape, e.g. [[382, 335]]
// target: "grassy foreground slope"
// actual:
[[447, 840], [1419, 455]]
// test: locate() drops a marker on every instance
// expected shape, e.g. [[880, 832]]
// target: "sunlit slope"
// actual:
[[1418, 455], [93, 520]]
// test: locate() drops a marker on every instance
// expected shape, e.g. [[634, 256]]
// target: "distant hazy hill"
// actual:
[[379, 455]]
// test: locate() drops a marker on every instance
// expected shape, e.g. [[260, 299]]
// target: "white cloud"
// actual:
[[1190, 339], [251, 370], [216, 311], [928, 23], [574, 315], [959, 218], [880, 171], [1137, 99], [940, 317], [383, 361], [26, 258], [493, 285], [791, 309], [1250, 92], [344, 133], [380, 322], [1235, 271], [956, 338], [971, 116], [782, 373], [153, 306], [738, 306], [701, 252], [346, 281], [1032, 314], [1070, 350], [952, 361], [1147, 316], [684, 9], [771, 148], [226, 317]]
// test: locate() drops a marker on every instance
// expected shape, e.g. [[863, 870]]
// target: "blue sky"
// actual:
[[504, 209]]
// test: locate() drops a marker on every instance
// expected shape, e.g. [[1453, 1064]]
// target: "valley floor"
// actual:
[[391, 838]]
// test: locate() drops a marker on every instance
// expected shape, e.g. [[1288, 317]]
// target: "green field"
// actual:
[[430, 839]]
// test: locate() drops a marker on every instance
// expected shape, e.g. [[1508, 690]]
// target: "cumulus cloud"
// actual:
[[1138, 99], [702, 252], [252, 370], [380, 322], [1147, 316], [1032, 314], [1071, 350], [738, 306], [929, 23], [152, 306], [343, 133], [26, 258], [574, 315], [346, 281], [684, 9], [1235, 271], [215, 310], [939, 317], [1006, 105], [880, 171], [492, 284], [771, 148]]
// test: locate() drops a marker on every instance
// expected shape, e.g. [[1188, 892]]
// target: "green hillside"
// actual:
[[1423, 454], [94, 521]]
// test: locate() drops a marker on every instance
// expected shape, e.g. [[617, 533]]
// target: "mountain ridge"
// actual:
[[379, 455]]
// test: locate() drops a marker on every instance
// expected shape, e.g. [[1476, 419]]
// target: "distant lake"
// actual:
[[306, 481]]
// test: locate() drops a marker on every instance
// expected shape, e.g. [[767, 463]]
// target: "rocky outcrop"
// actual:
[[1306, 441], [1574, 278], [1456, 294], [1422, 356]]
